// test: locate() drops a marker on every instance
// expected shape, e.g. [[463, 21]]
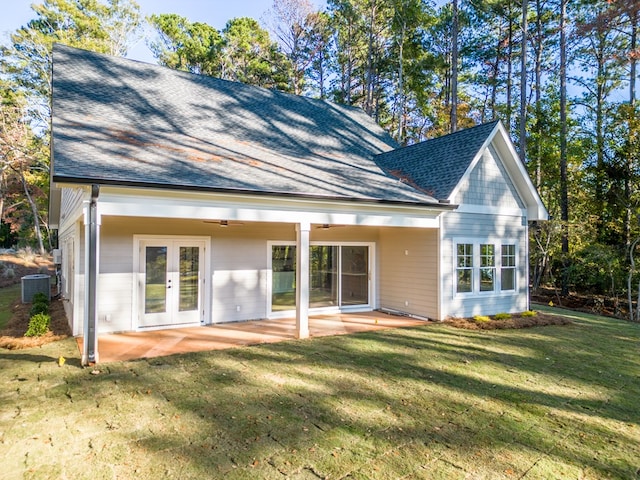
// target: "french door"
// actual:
[[171, 282]]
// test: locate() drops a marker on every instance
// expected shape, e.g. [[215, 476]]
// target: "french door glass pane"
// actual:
[[189, 281], [355, 275], [283, 278], [155, 295], [324, 276]]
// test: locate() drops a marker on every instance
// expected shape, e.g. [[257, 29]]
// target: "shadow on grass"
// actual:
[[337, 406], [431, 401]]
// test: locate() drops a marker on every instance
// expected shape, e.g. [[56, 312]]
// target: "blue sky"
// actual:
[[216, 13]]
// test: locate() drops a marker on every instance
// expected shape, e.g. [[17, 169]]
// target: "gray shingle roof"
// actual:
[[436, 166], [118, 121]]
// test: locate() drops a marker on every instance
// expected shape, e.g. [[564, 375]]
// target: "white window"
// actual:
[[487, 267], [484, 267], [464, 268], [508, 268]]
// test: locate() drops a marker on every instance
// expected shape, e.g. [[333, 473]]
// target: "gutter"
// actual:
[[435, 204]]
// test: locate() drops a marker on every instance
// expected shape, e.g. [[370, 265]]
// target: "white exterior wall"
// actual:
[[490, 212], [409, 271], [482, 229], [239, 261]]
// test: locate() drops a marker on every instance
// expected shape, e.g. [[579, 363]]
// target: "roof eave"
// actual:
[[436, 205]]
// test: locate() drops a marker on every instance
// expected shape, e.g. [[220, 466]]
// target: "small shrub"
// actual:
[[502, 316], [529, 313], [481, 318], [8, 272], [38, 325], [27, 254], [40, 297], [39, 307]]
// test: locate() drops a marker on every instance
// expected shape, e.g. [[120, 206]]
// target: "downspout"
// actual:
[[527, 263], [92, 230]]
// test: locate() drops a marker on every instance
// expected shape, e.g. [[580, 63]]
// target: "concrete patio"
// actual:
[[156, 343]]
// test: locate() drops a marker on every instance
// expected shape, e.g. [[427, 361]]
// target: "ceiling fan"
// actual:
[[225, 223], [327, 226]]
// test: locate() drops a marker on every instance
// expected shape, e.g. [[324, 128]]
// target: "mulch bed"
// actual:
[[516, 321], [12, 336]]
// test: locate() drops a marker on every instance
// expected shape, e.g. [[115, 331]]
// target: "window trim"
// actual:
[[497, 267]]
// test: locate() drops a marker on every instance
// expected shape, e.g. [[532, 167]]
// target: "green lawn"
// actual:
[[428, 402], [7, 297]]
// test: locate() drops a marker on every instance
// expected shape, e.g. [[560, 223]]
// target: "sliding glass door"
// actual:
[[355, 275], [339, 276]]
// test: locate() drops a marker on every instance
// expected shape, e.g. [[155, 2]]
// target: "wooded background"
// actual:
[[560, 75]]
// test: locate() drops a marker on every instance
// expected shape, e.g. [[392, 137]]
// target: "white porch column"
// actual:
[[302, 279], [92, 252]]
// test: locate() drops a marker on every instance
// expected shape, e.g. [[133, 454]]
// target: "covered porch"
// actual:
[[135, 345]]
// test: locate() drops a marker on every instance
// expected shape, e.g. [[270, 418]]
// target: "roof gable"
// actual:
[[437, 166], [440, 167], [118, 121]]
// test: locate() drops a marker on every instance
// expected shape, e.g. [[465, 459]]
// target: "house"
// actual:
[[187, 200]]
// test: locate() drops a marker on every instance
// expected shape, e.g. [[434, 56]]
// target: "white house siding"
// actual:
[[239, 263], [241, 259], [71, 203], [409, 270], [488, 184], [482, 228], [71, 278]]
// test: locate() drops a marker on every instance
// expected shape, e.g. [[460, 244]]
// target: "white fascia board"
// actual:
[[519, 175], [489, 210], [136, 202]]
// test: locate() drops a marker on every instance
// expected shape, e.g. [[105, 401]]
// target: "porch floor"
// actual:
[[134, 345]]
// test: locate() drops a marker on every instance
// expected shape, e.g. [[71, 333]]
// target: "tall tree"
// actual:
[[564, 187], [194, 47], [454, 67], [250, 56], [523, 81], [293, 22], [25, 66]]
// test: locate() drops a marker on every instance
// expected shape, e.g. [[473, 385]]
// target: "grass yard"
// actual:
[[555, 402], [8, 296]]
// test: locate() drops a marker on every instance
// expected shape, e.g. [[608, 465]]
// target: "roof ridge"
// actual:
[[466, 131]]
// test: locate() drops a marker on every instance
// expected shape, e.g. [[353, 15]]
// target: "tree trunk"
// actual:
[[454, 68], [564, 191], [34, 211], [401, 91], [496, 74], [633, 17], [632, 270], [509, 63], [523, 83], [538, 80]]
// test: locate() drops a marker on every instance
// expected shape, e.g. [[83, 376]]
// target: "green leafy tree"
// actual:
[[193, 47], [250, 56], [25, 67], [294, 25]]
